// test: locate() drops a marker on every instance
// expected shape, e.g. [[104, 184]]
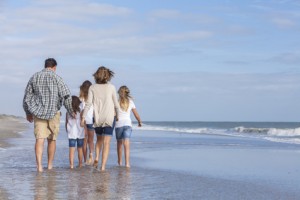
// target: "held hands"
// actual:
[[82, 123], [29, 118]]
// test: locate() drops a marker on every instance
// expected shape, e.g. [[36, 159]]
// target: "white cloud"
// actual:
[[181, 17], [82, 28], [283, 22]]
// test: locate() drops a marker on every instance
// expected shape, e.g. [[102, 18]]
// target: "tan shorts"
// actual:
[[47, 128]]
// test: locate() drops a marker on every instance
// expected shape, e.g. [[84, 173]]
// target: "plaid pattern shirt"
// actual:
[[44, 95]]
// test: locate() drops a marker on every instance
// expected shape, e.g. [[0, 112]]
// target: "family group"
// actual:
[[98, 109]]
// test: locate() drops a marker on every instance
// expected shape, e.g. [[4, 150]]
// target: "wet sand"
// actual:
[[10, 127], [164, 166]]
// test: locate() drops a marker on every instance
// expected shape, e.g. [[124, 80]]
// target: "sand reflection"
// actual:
[[44, 186]]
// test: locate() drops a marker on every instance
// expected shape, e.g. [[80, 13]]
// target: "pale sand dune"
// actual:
[[10, 127]]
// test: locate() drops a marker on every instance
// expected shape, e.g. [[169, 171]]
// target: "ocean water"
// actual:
[[170, 160], [284, 132]]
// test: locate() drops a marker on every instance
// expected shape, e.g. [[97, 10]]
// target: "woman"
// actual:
[[103, 97]]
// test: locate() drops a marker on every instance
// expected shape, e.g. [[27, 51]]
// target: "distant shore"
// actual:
[[10, 127]]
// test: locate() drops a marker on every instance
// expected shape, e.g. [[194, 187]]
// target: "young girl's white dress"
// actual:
[[75, 131]]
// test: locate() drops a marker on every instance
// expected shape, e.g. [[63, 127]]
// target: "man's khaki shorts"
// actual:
[[47, 128]]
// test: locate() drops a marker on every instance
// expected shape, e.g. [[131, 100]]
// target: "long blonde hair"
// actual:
[[124, 97]]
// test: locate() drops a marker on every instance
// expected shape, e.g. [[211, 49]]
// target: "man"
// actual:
[[44, 95]]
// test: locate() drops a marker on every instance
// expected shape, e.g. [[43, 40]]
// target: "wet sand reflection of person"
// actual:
[[123, 184], [102, 185], [45, 186]]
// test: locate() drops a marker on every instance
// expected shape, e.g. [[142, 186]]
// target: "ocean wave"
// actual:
[[173, 129], [269, 131], [281, 135], [284, 140], [204, 130]]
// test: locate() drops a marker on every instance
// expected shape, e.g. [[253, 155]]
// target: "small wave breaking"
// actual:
[[284, 135]]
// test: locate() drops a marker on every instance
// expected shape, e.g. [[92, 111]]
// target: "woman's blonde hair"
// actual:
[[84, 89], [124, 97], [103, 75]]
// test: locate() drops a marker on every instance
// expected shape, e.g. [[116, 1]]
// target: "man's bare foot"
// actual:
[[102, 168], [128, 166], [71, 167], [50, 167]]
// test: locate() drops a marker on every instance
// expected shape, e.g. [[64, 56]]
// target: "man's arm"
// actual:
[[27, 97], [65, 96]]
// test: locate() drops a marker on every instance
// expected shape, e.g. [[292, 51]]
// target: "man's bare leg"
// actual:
[[51, 152], [39, 147]]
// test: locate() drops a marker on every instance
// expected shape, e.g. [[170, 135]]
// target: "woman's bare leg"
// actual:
[[99, 145], [106, 146]]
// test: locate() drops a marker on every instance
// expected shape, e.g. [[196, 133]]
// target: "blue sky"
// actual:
[[183, 60]]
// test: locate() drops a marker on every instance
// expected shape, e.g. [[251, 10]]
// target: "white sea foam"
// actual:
[[284, 140], [173, 129], [283, 135], [269, 131]]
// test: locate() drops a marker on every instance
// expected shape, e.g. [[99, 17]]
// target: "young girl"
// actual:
[[124, 125], [89, 129], [75, 131]]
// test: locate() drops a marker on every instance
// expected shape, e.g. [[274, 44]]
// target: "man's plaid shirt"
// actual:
[[44, 95]]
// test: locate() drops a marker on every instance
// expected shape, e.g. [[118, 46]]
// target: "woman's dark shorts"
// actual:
[[105, 131]]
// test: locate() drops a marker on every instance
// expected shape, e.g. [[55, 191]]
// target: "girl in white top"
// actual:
[[89, 129], [124, 125], [75, 131]]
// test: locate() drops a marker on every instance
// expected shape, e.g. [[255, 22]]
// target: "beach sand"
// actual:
[[164, 166], [10, 127]]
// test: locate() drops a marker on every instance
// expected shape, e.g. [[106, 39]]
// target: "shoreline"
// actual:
[[186, 166], [10, 127]]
